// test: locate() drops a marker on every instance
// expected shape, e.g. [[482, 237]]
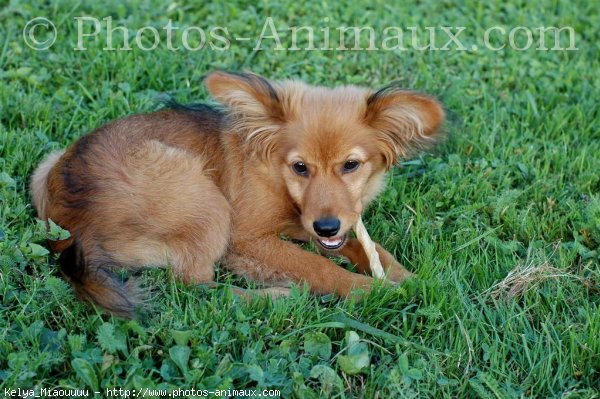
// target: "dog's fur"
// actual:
[[188, 186]]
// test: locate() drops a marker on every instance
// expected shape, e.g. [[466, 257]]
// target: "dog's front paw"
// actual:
[[398, 273], [276, 292]]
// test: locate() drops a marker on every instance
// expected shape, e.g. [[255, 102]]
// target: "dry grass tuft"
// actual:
[[524, 278]]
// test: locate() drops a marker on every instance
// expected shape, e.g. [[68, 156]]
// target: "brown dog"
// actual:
[[188, 186]]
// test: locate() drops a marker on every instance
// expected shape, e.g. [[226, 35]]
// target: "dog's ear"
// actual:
[[255, 106], [405, 121]]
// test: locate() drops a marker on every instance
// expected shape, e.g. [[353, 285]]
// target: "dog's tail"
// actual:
[[92, 277], [39, 184], [87, 268]]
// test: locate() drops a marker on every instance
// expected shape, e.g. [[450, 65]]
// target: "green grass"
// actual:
[[516, 186]]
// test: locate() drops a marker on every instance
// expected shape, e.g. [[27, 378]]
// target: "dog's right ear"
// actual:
[[255, 105]]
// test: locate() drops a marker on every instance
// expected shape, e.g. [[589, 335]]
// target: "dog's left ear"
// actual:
[[255, 105], [405, 121]]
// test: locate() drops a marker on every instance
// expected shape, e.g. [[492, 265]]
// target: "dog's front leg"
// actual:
[[394, 270], [270, 259]]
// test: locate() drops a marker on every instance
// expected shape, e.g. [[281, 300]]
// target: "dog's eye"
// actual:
[[300, 168], [351, 166]]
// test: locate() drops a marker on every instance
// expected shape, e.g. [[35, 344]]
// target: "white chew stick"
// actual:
[[369, 247]]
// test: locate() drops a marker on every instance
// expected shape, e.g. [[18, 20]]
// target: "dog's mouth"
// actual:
[[333, 243]]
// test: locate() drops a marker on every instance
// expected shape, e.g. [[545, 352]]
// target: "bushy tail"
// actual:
[[39, 184], [91, 276], [89, 270]]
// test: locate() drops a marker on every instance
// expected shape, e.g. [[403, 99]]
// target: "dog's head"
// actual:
[[332, 147]]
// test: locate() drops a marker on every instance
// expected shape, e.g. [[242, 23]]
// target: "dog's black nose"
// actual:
[[327, 227]]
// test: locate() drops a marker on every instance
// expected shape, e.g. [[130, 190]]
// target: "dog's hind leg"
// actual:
[[201, 240], [179, 217], [194, 250]]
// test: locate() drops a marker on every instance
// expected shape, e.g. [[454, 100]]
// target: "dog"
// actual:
[[190, 185]]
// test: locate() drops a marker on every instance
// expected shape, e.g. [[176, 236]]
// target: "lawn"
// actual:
[[501, 223]]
